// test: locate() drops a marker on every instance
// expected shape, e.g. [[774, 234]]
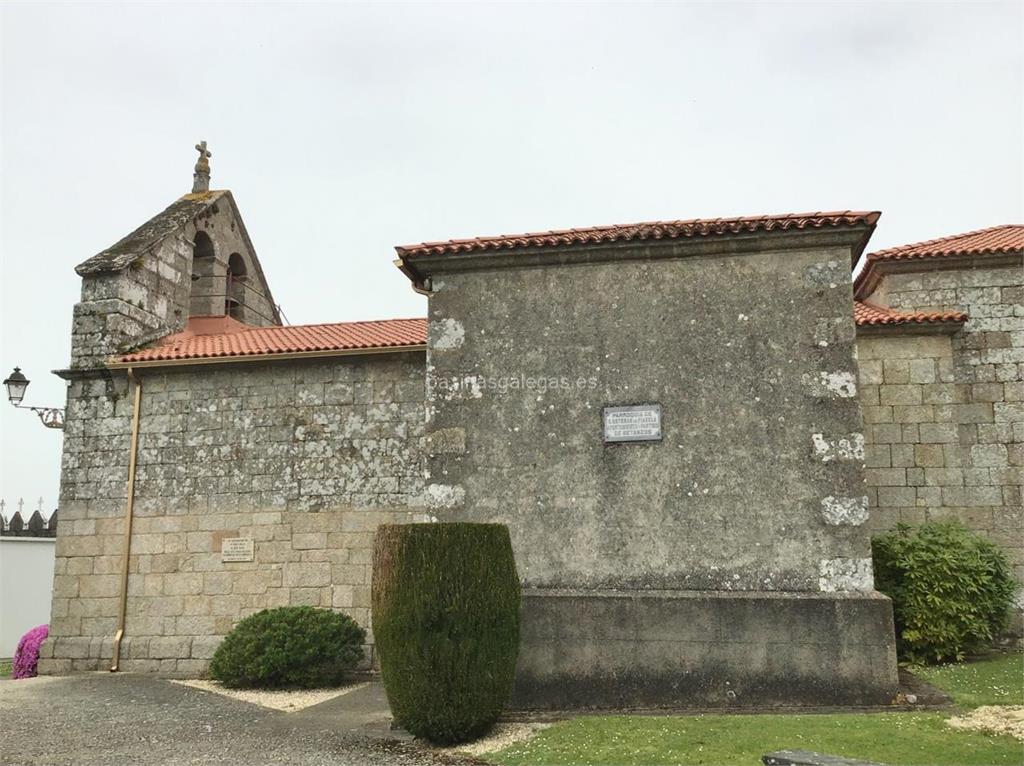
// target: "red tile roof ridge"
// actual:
[[240, 340], [966, 243], [672, 229], [335, 324], [245, 326]]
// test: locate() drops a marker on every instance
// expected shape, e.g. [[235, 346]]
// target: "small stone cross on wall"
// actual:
[[204, 153], [201, 177]]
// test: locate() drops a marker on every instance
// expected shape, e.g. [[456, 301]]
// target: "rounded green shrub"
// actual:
[[951, 589], [297, 647], [446, 626]]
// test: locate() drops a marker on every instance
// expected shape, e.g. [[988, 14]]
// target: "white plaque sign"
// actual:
[[635, 423], [237, 549]]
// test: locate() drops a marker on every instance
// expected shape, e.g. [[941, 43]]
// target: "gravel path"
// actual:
[[290, 701], [500, 737], [97, 719], [995, 719]]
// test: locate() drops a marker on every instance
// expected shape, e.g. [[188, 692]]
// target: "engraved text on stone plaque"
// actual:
[[237, 549], [635, 423]]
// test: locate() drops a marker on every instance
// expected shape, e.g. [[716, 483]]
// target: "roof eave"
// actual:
[[419, 267], [120, 364], [911, 328], [419, 283], [876, 269]]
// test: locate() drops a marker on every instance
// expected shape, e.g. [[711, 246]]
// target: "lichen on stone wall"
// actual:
[[444, 496], [831, 274], [848, 511], [845, 574], [845, 447], [944, 414], [305, 458], [837, 384], [446, 334]]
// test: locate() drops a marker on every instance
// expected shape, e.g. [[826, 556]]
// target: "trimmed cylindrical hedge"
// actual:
[[289, 647], [446, 625]]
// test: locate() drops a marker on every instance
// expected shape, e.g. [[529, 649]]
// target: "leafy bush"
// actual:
[[26, 655], [446, 625], [951, 589], [289, 647]]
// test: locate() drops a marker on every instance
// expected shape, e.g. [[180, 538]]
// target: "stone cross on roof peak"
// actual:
[[201, 176]]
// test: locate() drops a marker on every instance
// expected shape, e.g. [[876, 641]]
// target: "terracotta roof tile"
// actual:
[[697, 227], [222, 337], [870, 315], [997, 239]]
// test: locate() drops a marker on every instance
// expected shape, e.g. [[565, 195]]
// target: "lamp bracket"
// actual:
[[51, 417]]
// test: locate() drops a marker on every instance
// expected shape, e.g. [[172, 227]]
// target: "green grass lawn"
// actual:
[[5, 668], [899, 739], [996, 680]]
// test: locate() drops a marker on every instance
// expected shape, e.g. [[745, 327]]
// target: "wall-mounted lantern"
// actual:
[[16, 384]]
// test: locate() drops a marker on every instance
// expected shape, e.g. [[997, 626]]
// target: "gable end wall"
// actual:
[[944, 415], [155, 294]]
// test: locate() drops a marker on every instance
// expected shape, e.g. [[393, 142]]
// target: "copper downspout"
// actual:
[[128, 515]]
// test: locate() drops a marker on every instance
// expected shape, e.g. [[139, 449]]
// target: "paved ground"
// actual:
[[95, 719]]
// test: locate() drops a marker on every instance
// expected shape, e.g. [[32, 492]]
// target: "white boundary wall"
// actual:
[[26, 587]]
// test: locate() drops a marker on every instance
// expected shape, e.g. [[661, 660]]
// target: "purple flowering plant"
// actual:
[[26, 656]]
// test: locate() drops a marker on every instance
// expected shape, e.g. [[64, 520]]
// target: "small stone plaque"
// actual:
[[634, 423], [237, 549]]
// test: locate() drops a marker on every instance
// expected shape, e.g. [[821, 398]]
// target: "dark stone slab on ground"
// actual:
[[809, 758]]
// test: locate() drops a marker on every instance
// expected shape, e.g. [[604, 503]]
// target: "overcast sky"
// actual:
[[344, 130]]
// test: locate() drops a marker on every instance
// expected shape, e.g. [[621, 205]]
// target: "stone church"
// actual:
[[691, 429]]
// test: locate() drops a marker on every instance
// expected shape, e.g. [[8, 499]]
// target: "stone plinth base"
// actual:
[[622, 649], [168, 656]]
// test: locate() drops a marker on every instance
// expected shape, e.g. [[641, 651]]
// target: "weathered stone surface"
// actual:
[[755, 487], [965, 436], [615, 649], [231, 452], [691, 334], [148, 284]]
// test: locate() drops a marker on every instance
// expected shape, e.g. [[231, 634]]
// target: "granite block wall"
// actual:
[[305, 458], [944, 414], [119, 309]]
